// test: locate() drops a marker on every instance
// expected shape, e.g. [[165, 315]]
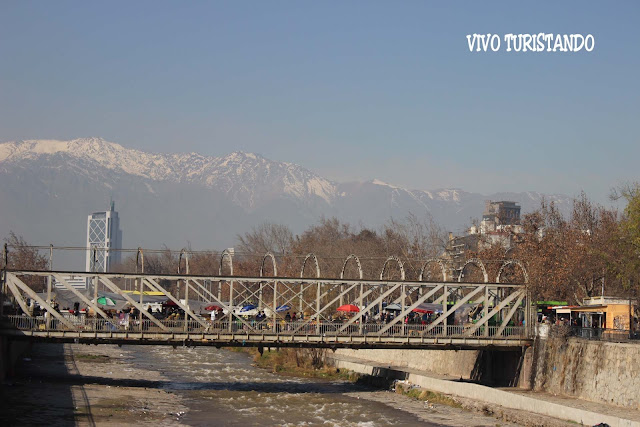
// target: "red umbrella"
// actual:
[[213, 307], [421, 310], [350, 308]]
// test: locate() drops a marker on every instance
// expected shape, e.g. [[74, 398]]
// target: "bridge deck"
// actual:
[[268, 339], [323, 335]]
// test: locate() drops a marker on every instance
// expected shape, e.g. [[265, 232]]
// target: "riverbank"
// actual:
[[69, 384]]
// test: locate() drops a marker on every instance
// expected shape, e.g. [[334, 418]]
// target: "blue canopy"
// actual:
[[282, 308], [247, 308]]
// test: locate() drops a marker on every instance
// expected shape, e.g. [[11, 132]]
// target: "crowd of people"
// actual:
[[130, 317], [386, 316]]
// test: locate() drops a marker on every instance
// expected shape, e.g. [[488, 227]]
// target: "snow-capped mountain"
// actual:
[[245, 177], [48, 188]]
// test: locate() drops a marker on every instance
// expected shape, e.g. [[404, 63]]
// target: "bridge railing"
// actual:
[[601, 334], [82, 323]]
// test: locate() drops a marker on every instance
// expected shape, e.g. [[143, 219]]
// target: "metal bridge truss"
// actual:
[[498, 316]]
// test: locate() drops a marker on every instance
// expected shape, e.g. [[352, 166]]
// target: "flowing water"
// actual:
[[222, 388]]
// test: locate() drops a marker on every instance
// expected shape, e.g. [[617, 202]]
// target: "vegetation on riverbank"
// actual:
[[427, 395], [308, 363]]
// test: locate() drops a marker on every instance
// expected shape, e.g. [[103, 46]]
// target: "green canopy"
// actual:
[[106, 301], [552, 303]]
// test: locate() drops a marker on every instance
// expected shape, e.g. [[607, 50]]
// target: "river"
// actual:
[[223, 388], [74, 384]]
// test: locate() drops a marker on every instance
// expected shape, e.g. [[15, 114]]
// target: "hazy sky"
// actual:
[[348, 89]]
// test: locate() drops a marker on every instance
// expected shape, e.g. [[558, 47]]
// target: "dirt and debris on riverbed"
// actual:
[[64, 384]]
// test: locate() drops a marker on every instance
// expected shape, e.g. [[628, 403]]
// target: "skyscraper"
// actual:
[[104, 237]]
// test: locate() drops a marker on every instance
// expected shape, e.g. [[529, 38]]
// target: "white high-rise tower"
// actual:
[[105, 236]]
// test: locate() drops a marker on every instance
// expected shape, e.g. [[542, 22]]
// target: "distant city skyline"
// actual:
[[351, 91]]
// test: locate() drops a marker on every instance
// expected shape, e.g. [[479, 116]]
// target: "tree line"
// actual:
[[567, 257]]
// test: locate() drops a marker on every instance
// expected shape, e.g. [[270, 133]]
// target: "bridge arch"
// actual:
[[437, 261], [400, 264], [304, 263], [478, 264], [140, 260], [273, 262], [184, 254], [346, 261], [223, 255], [514, 262]]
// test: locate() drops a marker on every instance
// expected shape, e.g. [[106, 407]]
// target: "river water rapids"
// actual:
[[223, 388]]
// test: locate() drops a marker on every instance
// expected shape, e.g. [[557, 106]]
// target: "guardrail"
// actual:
[[83, 323], [602, 334]]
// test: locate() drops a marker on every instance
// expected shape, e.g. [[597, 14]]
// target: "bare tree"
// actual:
[[267, 237], [23, 257], [414, 239]]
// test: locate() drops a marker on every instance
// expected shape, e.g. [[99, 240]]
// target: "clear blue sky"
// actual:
[[349, 89]]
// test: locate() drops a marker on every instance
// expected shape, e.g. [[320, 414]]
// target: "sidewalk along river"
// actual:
[[223, 388]]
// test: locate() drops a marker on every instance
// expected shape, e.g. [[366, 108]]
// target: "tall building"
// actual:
[[75, 282], [500, 226], [497, 215], [103, 234]]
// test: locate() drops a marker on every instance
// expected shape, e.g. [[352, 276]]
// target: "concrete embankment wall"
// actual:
[[593, 370], [488, 395], [443, 362], [502, 368]]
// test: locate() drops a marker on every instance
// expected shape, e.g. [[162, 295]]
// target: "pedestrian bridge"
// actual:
[[426, 314]]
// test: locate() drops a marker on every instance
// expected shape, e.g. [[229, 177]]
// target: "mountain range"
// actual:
[[49, 187]]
